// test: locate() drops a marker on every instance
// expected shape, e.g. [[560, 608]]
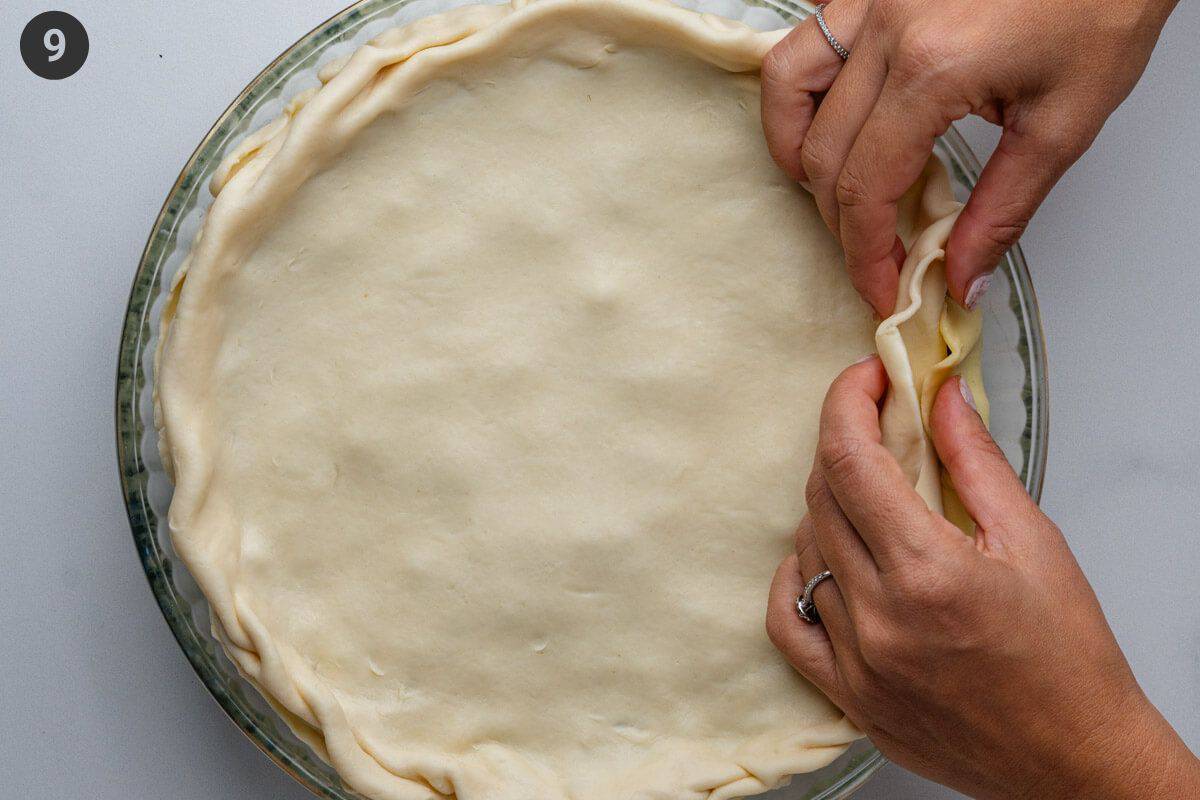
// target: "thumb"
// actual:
[[1026, 164], [989, 489]]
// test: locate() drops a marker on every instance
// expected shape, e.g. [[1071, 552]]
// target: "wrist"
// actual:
[[1138, 756], [1141, 21], [1157, 11]]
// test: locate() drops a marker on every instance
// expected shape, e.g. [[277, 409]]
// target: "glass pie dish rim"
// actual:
[[131, 424]]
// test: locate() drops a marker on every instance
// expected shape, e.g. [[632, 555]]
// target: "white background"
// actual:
[[97, 701]]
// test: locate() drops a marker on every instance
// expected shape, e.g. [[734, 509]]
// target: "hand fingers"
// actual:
[[840, 546], [841, 115], [989, 489], [868, 483], [799, 69], [892, 148], [805, 646], [1033, 153], [827, 596]]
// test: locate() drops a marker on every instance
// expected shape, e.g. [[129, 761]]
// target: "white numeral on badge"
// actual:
[[55, 42]]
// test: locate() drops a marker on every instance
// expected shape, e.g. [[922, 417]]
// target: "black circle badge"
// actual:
[[54, 45]]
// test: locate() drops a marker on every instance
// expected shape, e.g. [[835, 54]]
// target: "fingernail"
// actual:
[[967, 397], [864, 359], [977, 289]]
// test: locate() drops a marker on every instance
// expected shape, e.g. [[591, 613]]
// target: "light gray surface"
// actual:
[[97, 701]]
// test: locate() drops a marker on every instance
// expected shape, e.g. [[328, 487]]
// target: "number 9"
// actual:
[[55, 43]]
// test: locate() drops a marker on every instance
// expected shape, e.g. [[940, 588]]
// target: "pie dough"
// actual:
[[489, 390]]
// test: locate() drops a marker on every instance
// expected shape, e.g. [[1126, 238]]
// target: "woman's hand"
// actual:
[[858, 134], [985, 664]]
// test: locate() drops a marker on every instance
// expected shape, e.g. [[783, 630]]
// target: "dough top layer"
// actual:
[[490, 391]]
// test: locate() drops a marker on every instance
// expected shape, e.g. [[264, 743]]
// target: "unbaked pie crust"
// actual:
[[489, 390]]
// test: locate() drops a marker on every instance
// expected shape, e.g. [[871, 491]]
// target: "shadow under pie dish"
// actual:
[[466, 355]]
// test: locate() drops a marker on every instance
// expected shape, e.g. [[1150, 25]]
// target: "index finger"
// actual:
[[892, 148], [866, 480]]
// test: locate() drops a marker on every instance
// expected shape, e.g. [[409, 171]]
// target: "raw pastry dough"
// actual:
[[490, 388]]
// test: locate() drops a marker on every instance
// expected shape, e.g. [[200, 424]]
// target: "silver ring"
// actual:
[[804, 603], [829, 37]]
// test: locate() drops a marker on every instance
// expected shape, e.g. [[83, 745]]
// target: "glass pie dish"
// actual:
[[1013, 361]]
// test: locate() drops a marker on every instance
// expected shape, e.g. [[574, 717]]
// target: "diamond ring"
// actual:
[[829, 37], [804, 603]]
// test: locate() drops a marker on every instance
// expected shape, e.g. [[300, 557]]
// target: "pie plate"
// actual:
[[1014, 363]]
